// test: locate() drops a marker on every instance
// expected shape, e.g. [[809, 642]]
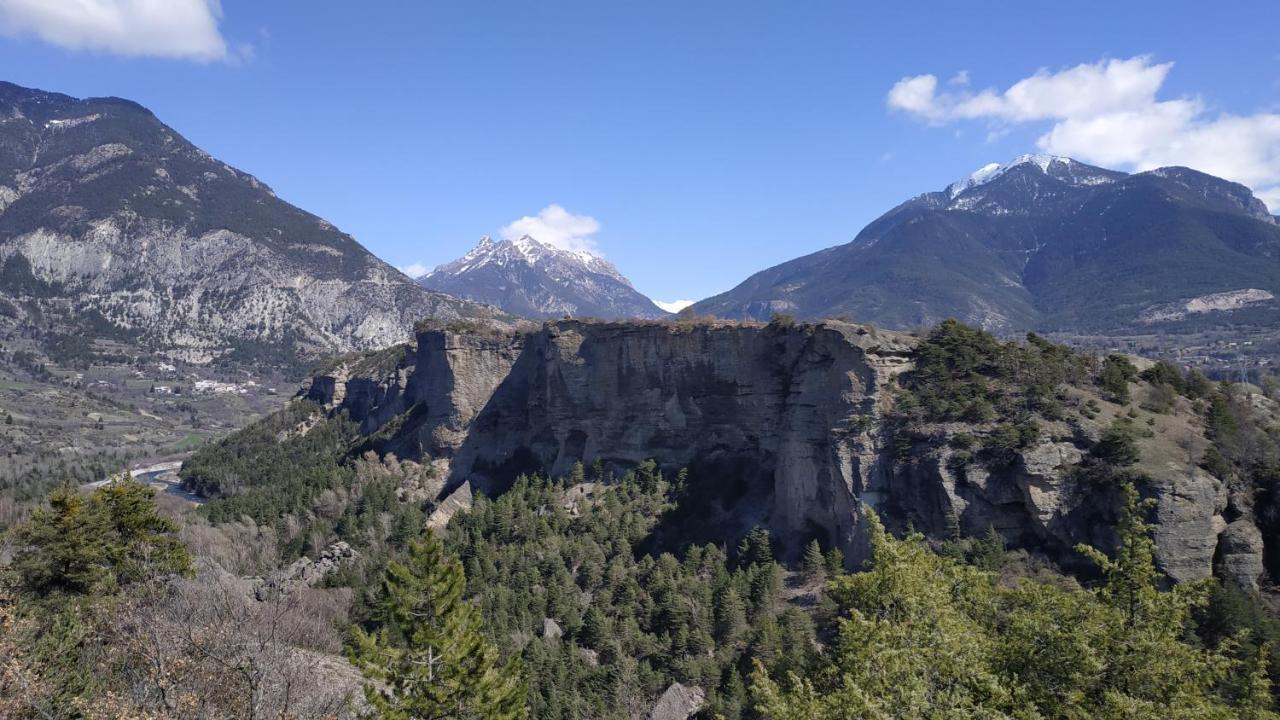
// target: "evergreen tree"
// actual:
[[988, 551], [731, 615], [429, 658], [96, 544], [909, 644], [813, 564], [755, 548], [924, 637], [1117, 373], [835, 562]]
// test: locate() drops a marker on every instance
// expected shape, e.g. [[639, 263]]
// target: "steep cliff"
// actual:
[[793, 426]]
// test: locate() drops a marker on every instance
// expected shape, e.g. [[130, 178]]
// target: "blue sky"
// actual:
[[708, 140]]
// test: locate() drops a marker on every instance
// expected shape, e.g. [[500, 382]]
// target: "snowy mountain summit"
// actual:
[[1055, 166], [539, 280]]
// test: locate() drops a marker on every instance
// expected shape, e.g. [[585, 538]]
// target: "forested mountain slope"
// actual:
[[1042, 243], [1020, 506]]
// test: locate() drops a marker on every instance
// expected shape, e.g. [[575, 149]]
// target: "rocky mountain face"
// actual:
[[114, 227], [789, 426], [538, 280], [1043, 243]]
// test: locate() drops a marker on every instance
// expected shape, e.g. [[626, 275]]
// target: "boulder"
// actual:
[[678, 702]]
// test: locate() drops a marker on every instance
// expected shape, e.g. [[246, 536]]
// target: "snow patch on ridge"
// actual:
[[991, 171], [66, 123]]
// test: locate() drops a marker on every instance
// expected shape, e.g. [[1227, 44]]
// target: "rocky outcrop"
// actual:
[[551, 629], [1240, 549], [678, 702], [1039, 501], [304, 572], [781, 425]]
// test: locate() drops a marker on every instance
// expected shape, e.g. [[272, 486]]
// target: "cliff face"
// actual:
[[779, 425]]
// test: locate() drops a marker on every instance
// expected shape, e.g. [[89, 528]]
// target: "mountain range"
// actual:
[[1044, 243], [115, 227], [534, 279]]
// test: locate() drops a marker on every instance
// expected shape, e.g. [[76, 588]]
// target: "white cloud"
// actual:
[[673, 306], [183, 29], [1084, 90], [414, 270], [1108, 113], [556, 226]]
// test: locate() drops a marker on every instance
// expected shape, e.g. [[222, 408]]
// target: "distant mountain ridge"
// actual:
[[534, 279], [1042, 242], [112, 225]]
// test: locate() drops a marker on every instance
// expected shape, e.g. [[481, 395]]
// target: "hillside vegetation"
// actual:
[[582, 596]]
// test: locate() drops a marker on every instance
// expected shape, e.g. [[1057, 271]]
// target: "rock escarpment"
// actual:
[[779, 425]]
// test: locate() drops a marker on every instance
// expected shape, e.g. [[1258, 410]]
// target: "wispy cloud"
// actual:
[[1109, 113], [180, 29], [556, 226]]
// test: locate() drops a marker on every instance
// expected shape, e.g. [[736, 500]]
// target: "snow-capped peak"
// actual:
[[529, 277], [525, 249], [991, 171]]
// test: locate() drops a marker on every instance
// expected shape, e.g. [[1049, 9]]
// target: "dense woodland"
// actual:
[[577, 597]]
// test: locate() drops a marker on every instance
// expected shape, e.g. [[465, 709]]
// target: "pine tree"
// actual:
[[1131, 576], [1148, 663], [813, 564], [988, 551], [62, 549], [1117, 373], [732, 694], [595, 628], [755, 548], [835, 562], [97, 544], [954, 546], [953, 526], [731, 615], [429, 658]]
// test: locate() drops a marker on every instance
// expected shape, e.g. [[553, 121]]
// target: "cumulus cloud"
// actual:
[[556, 226], [414, 270], [182, 29], [1109, 113], [673, 306], [1084, 90]]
